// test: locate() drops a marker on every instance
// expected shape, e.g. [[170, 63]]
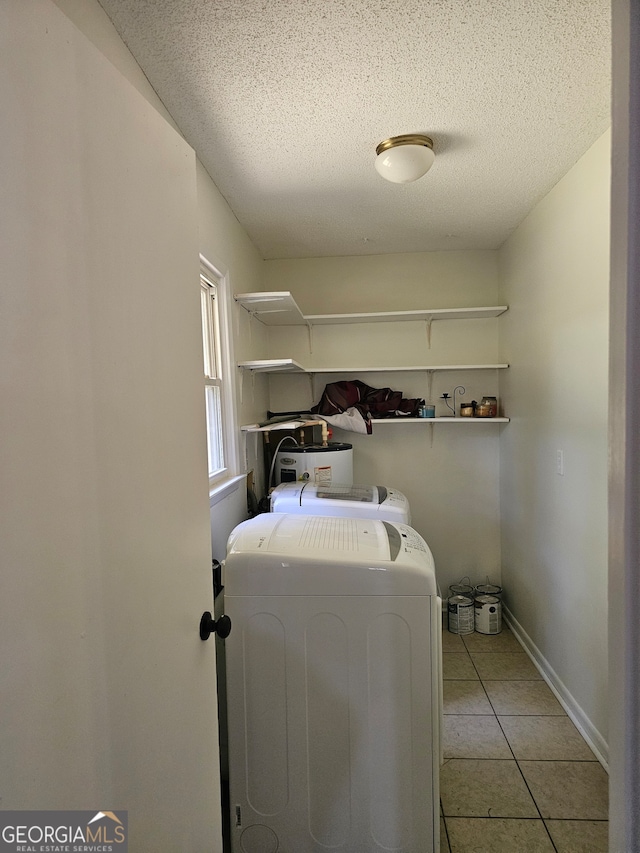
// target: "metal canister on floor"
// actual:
[[488, 589], [461, 588], [487, 614], [461, 614]]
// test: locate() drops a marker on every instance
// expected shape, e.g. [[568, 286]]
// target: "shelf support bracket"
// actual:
[[251, 322], [429, 385], [428, 322], [311, 377], [242, 372], [310, 333], [242, 381]]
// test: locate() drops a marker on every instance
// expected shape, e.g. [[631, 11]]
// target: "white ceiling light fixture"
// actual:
[[403, 159]]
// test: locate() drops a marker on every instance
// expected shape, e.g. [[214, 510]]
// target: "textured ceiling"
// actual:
[[285, 101]]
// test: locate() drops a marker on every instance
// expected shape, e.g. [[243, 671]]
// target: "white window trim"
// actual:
[[222, 490], [229, 390]]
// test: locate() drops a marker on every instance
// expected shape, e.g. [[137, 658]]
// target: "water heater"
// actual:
[[315, 463]]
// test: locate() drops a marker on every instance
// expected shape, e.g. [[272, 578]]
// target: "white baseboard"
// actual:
[[588, 731]]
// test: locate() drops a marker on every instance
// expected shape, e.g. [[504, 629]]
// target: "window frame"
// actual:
[[222, 351]]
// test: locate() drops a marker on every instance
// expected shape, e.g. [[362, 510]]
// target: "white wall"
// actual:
[[223, 242], [554, 275], [78, 732], [105, 529], [89, 17], [387, 282], [450, 476]]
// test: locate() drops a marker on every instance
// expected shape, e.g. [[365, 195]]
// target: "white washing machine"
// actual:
[[355, 501], [333, 686]]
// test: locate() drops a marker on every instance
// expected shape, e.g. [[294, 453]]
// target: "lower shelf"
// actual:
[[444, 420]]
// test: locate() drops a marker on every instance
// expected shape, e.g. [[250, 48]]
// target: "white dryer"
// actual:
[[354, 501], [333, 686]]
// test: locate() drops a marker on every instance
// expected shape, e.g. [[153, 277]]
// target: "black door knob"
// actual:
[[209, 625]]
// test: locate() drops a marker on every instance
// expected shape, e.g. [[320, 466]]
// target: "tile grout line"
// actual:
[[533, 799], [517, 762], [504, 734]]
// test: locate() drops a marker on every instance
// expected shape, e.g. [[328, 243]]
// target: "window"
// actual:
[[217, 386]]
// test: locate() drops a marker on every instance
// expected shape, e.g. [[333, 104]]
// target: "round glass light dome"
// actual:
[[403, 159]]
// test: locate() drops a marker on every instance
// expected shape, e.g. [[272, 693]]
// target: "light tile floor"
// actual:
[[517, 775]]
